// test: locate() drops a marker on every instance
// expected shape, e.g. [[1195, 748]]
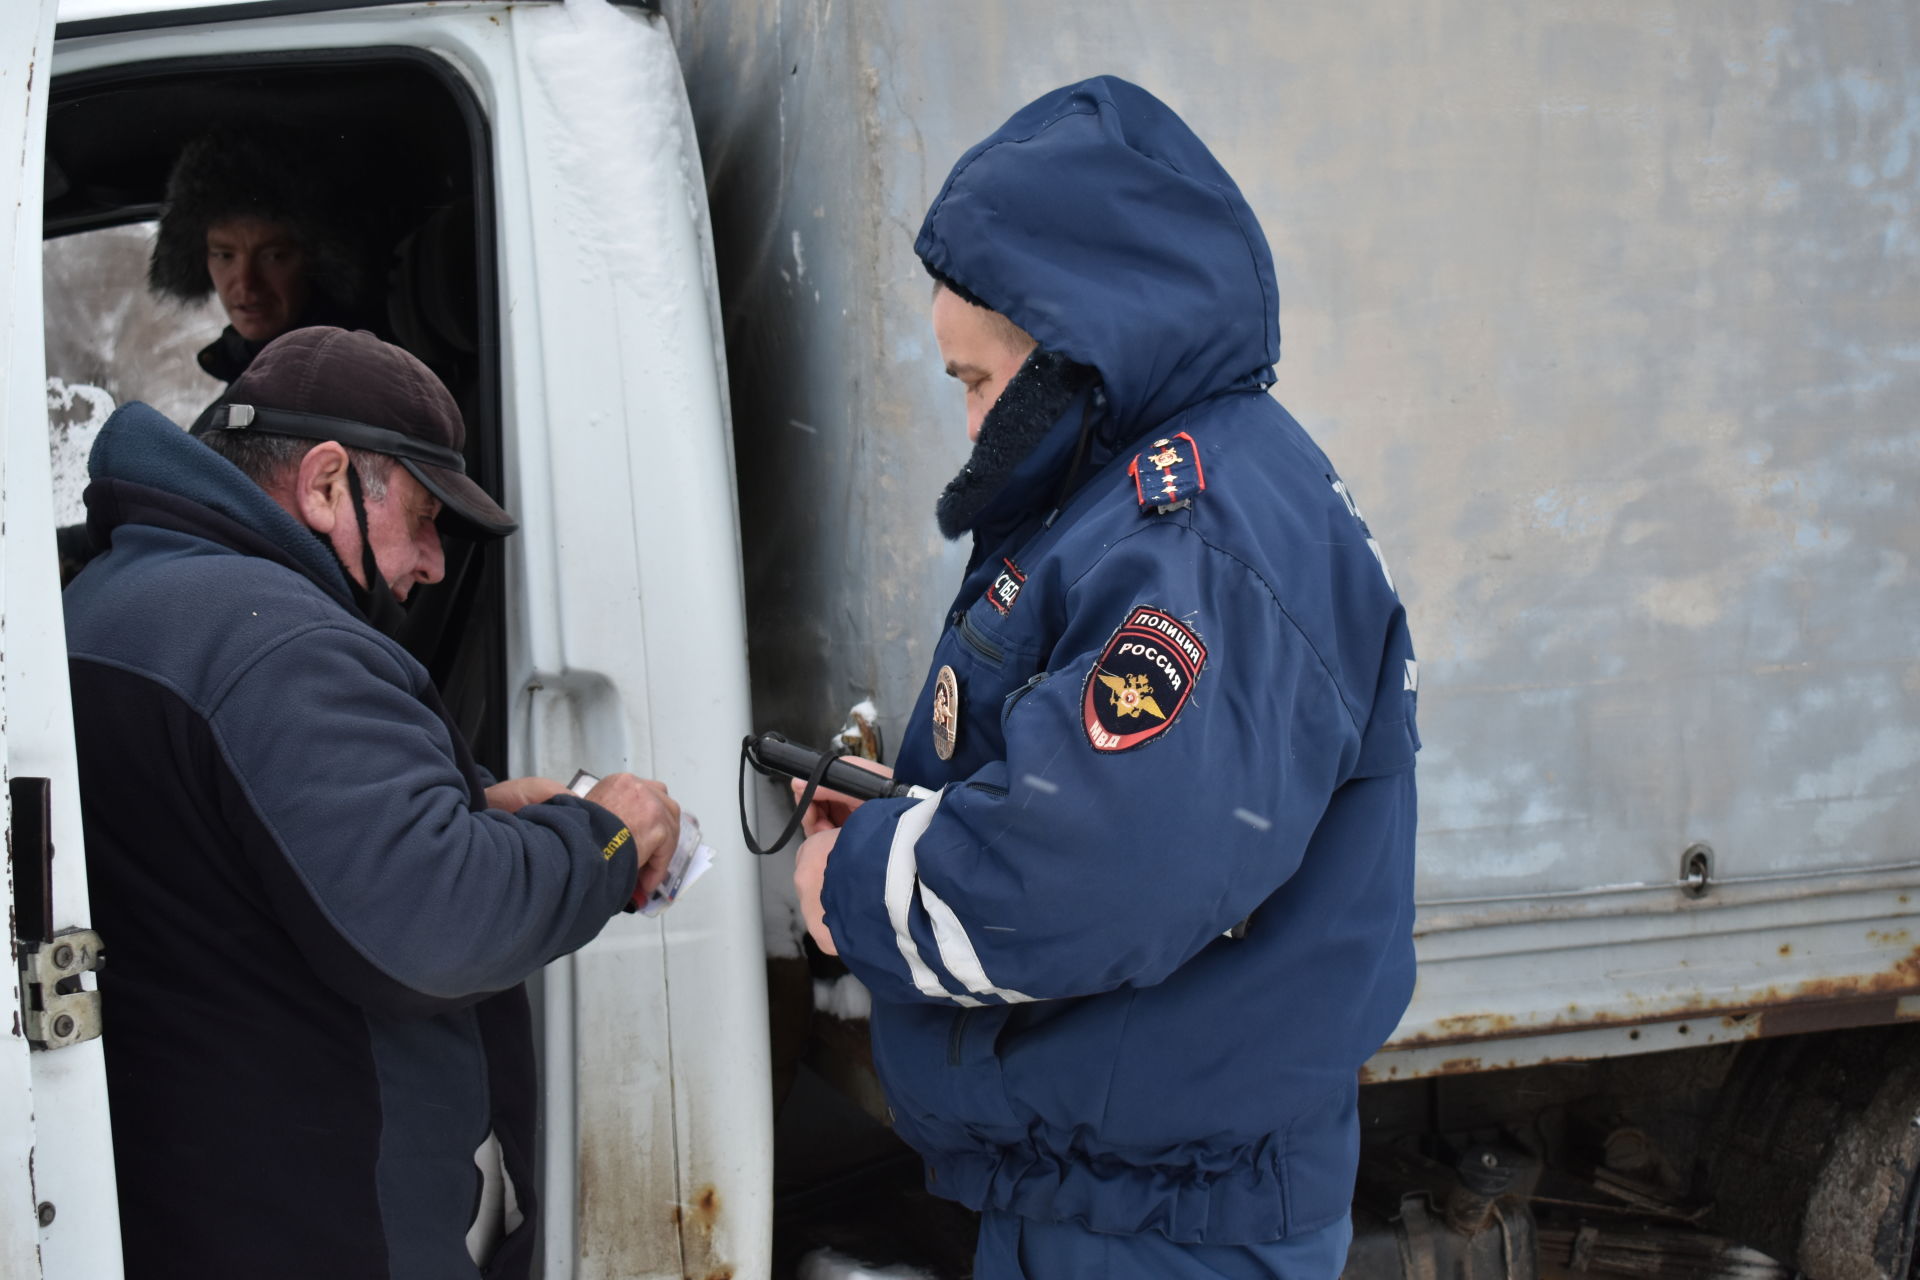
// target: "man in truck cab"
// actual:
[[1129, 958], [262, 220], [319, 909], [258, 218]]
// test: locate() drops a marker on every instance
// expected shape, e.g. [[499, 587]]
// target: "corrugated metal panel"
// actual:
[[1607, 312]]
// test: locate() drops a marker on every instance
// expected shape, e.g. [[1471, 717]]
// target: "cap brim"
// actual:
[[463, 503]]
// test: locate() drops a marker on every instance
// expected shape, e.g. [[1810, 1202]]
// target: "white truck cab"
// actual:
[[542, 198]]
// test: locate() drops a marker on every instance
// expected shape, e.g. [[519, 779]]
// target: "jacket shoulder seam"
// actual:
[[144, 673], [226, 687], [1186, 526], [239, 779], [285, 851]]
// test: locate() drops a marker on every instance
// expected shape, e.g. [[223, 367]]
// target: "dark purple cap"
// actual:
[[330, 384]]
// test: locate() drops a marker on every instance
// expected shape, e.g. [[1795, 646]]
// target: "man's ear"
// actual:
[[320, 493]]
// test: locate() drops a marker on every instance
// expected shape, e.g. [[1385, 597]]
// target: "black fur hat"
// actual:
[[278, 175]]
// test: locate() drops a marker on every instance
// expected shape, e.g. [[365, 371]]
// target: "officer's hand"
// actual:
[[809, 877], [829, 809], [515, 793], [652, 817]]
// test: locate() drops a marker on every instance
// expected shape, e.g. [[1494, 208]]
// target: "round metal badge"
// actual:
[[946, 713]]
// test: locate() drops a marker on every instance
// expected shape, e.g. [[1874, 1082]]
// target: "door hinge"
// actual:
[[55, 1011]]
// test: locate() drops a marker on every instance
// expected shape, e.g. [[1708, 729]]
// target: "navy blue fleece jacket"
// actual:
[[316, 929]]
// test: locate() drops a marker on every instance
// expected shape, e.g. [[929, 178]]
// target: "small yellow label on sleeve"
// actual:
[[613, 846]]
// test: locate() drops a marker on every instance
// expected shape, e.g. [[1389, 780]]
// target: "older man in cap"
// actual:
[[319, 909]]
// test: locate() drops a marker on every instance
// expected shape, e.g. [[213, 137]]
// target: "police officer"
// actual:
[[1128, 960]]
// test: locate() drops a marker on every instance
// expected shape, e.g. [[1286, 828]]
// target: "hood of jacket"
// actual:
[[146, 470], [1098, 222]]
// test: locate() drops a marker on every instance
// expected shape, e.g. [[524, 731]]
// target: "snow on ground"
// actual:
[[826, 1264], [75, 414]]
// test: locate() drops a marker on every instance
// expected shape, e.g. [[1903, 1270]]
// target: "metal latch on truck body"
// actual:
[[55, 1011], [1696, 870]]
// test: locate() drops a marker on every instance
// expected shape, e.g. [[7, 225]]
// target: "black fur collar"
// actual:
[[1026, 411]]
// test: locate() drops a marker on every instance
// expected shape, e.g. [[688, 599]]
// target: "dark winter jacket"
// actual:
[[316, 932], [1185, 701], [225, 358]]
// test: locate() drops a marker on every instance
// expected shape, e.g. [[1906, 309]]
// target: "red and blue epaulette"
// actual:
[[1167, 476]]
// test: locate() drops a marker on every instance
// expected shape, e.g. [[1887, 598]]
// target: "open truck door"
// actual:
[[528, 178], [60, 1219]]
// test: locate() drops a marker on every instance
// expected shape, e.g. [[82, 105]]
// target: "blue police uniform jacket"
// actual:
[[1182, 697]]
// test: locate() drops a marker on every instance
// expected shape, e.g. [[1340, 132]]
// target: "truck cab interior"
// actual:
[[414, 144]]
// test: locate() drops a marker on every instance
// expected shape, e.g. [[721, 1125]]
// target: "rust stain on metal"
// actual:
[[698, 1222], [706, 1208], [1859, 1000], [1461, 1027], [1464, 1067], [1798, 1019], [613, 1175]]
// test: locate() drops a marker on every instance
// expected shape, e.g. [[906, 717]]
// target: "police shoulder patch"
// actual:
[[1141, 680], [1167, 476]]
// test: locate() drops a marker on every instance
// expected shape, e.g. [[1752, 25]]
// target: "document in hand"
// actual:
[[691, 859], [691, 856]]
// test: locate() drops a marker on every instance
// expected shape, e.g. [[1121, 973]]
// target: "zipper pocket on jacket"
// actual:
[[979, 643], [957, 1036], [1033, 682]]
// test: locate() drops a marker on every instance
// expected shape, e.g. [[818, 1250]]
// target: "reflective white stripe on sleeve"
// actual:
[[903, 873], [956, 949]]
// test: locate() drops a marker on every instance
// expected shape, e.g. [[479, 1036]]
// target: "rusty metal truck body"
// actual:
[[1609, 315]]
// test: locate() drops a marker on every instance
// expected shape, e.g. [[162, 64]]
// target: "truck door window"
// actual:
[[110, 341], [415, 142]]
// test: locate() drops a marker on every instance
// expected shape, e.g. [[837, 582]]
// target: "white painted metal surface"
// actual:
[[631, 587], [26, 33], [81, 10], [58, 1214], [626, 644]]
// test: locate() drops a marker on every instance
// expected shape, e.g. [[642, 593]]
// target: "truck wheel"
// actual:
[[1813, 1151]]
